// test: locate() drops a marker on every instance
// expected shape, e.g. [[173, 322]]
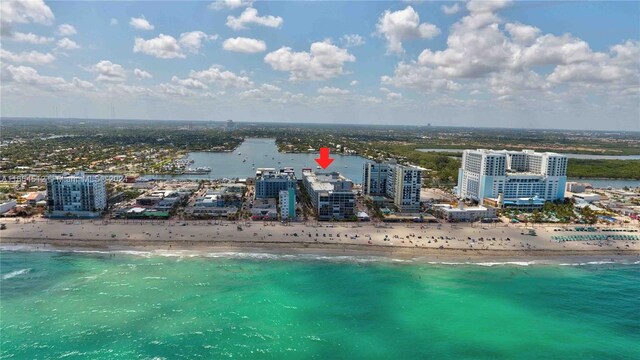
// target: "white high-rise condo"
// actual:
[[78, 195], [515, 174], [404, 184], [400, 183]]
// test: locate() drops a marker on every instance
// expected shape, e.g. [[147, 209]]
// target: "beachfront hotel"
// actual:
[[485, 174], [270, 182], [402, 184], [331, 194], [76, 195]]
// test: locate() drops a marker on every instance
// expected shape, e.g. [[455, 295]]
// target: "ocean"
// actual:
[[138, 306]]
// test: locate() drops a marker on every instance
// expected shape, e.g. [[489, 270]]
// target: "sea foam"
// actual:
[[15, 273]]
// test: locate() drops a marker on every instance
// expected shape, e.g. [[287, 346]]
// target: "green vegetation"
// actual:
[[611, 169]]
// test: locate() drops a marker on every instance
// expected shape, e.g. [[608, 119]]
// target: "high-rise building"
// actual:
[[400, 183], [270, 182], [404, 184], [374, 178], [331, 194], [515, 174], [288, 204], [78, 194]]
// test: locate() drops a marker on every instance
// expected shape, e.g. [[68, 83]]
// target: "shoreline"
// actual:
[[434, 242], [322, 250]]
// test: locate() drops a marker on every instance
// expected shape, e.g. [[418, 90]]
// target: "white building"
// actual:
[[515, 174], [402, 184], [374, 178], [77, 195], [331, 194], [288, 204], [6, 206], [462, 214]]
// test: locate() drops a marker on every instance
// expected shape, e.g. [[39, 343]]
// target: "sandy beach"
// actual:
[[402, 241]]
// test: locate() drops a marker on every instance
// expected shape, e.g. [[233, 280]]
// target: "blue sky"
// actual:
[[478, 63]]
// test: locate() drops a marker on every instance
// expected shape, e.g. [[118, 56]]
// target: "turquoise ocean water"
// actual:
[[103, 306]]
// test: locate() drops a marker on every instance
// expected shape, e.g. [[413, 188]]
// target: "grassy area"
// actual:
[[610, 169]]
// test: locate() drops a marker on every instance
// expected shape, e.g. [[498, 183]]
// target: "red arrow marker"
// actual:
[[324, 160]]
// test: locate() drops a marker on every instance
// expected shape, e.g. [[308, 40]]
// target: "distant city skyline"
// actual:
[[553, 65]]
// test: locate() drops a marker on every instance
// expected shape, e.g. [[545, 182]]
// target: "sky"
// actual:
[[516, 64]]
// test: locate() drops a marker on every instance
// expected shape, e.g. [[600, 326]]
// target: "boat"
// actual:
[[198, 170], [244, 160], [318, 167]]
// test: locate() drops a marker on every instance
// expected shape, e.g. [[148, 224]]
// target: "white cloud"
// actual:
[[66, 30], [140, 23], [328, 90], [244, 45], [323, 61], [167, 47], [393, 96], [109, 72], [24, 12], [67, 44], [351, 40], [524, 34], [486, 6], [32, 57], [192, 41], [113, 21], [402, 25], [216, 75], [189, 83], [141, 74], [517, 61], [24, 75], [390, 94], [30, 38], [354, 82], [229, 4], [250, 16], [450, 9], [163, 47]]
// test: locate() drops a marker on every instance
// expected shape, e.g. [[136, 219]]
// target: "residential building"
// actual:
[[374, 178], [269, 182], [78, 195], [404, 184], [400, 183], [331, 194], [288, 204], [515, 174]]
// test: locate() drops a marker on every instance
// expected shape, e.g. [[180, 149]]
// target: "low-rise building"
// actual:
[[464, 214], [264, 209], [7, 205], [586, 197], [33, 197]]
